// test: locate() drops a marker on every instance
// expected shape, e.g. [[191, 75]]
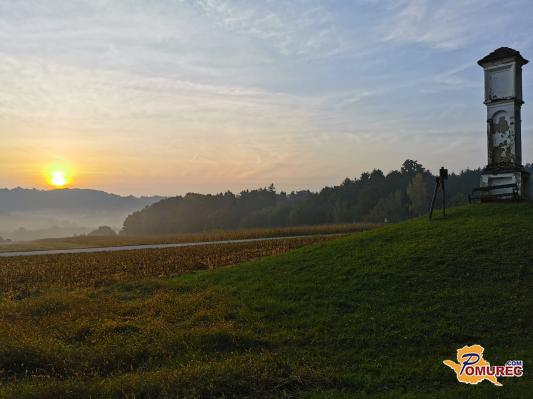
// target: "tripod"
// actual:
[[439, 183]]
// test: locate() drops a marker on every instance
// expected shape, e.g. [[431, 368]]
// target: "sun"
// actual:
[[58, 178], [58, 175]]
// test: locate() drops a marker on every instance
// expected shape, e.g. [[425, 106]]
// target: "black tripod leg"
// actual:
[[443, 200], [433, 199]]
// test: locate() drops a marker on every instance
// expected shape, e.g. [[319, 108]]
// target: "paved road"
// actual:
[[151, 246]]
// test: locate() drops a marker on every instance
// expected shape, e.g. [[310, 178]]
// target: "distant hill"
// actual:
[[68, 199], [27, 214]]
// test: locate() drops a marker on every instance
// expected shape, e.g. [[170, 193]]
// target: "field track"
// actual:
[[155, 246]]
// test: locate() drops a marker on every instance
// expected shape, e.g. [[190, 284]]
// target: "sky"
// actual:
[[168, 97]]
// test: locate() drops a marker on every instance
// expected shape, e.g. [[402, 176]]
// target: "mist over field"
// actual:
[[28, 214]]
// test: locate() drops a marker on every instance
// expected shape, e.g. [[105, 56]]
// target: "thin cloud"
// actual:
[[447, 24], [294, 29]]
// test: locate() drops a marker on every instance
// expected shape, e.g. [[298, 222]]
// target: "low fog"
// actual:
[[29, 214]]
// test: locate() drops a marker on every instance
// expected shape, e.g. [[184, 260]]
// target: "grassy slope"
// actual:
[[372, 315]]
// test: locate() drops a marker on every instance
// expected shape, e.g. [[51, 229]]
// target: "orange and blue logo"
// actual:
[[472, 368]]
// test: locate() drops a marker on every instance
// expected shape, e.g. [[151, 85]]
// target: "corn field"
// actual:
[[24, 276]]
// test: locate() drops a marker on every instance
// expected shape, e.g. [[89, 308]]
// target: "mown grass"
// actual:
[[371, 315], [215, 235]]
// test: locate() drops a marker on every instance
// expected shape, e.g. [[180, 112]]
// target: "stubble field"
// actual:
[[25, 276]]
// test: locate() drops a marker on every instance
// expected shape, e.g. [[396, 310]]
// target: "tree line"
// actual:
[[372, 197]]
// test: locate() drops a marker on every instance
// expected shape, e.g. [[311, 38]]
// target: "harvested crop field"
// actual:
[[24, 276]]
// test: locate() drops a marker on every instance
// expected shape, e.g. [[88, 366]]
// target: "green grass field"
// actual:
[[369, 315]]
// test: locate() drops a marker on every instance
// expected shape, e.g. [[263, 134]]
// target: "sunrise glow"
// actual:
[[58, 175]]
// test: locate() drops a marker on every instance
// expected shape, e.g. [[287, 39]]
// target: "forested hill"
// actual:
[[373, 196]]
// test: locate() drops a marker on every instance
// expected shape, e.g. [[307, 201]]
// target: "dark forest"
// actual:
[[372, 197]]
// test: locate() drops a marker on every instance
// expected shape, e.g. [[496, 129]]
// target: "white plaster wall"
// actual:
[[500, 82]]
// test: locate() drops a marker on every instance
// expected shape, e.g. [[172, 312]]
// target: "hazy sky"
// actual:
[[165, 97]]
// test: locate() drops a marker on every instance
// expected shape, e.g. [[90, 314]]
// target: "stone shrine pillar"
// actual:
[[503, 98]]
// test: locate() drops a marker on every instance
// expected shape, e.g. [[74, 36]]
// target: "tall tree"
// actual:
[[417, 194]]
